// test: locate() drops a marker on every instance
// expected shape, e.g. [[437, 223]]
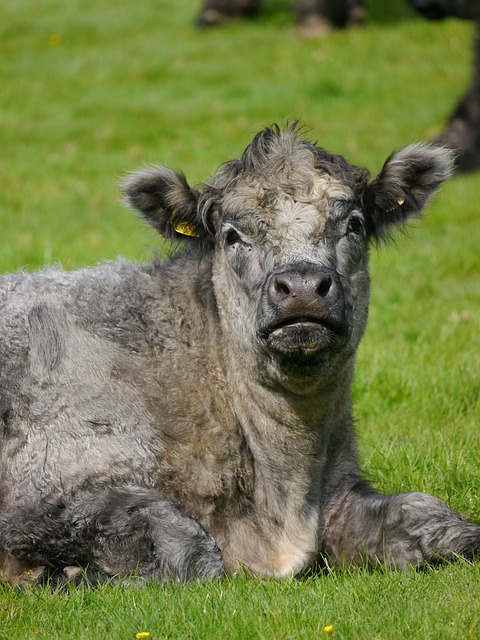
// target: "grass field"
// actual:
[[91, 90]]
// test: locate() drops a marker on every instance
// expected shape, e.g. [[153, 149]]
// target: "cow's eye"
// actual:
[[355, 225], [232, 237]]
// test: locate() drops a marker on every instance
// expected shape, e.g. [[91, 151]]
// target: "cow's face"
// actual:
[[289, 225], [291, 265]]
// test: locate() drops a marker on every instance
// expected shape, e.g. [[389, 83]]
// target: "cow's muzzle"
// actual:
[[302, 312]]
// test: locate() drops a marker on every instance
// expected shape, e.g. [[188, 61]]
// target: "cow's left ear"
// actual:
[[166, 201], [407, 181]]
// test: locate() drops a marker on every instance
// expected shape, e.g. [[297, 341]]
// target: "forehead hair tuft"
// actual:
[[287, 159]]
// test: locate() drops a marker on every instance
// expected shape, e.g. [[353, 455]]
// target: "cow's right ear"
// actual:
[[166, 201]]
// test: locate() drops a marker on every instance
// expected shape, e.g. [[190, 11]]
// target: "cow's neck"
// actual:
[[288, 432], [288, 438]]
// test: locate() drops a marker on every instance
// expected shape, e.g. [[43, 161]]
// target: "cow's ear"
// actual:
[[407, 181], [166, 201]]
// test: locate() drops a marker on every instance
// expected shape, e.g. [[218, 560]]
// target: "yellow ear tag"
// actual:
[[400, 201], [186, 229]]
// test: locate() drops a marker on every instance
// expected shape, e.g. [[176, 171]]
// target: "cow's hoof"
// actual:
[[313, 27], [212, 18], [357, 16], [216, 13], [316, 25]]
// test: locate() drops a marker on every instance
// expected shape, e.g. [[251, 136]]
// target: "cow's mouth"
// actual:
[[304, 338], [306, 323]]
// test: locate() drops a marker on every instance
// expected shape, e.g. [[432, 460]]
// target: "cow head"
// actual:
[[289, 225]]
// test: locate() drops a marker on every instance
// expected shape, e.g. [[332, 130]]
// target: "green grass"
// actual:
[[91, 90], [359, 605]]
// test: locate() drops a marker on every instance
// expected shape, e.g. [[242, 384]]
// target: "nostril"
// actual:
[[281, 288], [324, 286]]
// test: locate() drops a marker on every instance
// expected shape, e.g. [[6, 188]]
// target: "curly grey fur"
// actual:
[[179, 419]]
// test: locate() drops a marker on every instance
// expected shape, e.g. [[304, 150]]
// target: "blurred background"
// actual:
[[92, 89]]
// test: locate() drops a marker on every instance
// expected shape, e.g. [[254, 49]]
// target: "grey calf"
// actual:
[[187, 417]]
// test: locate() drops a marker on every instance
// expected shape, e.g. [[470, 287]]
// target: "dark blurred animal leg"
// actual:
[[357, 13], [463, 128], [316, 18]]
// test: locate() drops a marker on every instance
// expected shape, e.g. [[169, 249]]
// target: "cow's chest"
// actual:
[[254, 521], [205, 467], [251, 500], [268, 547]]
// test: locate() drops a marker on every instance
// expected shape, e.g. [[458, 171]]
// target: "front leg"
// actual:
[[396, 530], [103, 533], [135, 530]]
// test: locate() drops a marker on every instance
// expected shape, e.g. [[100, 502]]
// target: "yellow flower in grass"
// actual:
[[54, 39], [142, 634], [328, 628]]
